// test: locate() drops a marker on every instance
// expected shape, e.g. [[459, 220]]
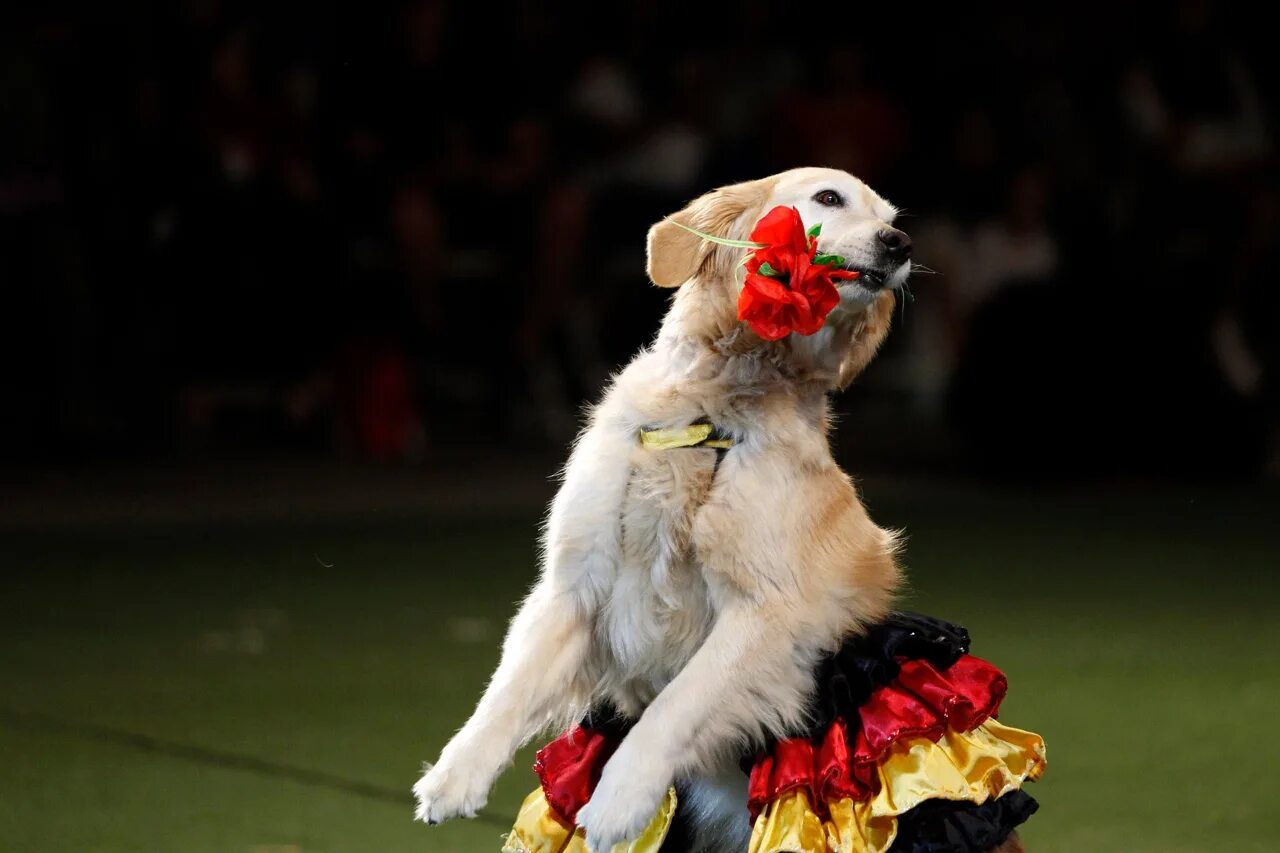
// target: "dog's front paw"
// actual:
[[446, 791], [623, 804]]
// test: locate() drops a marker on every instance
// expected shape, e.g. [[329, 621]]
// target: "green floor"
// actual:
[[1139, 633]]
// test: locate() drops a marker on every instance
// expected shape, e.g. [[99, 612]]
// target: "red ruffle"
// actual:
[[570, 767], [920, 702]]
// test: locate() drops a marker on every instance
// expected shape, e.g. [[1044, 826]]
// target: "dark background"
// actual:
[[300, 303], [378, 232]]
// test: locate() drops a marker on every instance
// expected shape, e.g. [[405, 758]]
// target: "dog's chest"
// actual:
[[660, 609]]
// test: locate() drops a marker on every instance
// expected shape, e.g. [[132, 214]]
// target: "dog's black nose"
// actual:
[[897, 245]]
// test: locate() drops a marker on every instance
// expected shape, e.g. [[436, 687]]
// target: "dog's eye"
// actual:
[[829, 198]]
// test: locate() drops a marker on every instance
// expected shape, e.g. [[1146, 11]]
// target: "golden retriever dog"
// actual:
[[697, 597]]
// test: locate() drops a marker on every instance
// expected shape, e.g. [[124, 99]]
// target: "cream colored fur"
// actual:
[[696, 603]]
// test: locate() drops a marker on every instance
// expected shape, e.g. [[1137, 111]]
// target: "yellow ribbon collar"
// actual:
[[693, 435]]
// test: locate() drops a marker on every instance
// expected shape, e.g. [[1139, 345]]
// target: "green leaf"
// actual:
[[815, 230], [767, 269], [829, 260]]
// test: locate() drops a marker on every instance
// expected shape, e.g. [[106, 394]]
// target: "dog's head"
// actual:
[[856, 224]]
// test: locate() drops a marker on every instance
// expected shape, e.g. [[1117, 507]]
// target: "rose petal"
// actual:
[[782, 227]]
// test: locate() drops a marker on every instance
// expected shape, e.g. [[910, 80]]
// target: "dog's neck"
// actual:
[[703, 342]]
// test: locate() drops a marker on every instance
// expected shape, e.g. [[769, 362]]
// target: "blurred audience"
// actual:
[[231, 226]]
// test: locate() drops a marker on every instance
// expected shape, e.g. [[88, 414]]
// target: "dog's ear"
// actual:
[[675, 255], [868, 333]]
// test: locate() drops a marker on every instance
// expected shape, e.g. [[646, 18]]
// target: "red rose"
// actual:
[[784, 241], [789, 287]]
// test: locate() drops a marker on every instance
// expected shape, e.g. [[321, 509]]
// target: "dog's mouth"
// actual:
[[858, 293], [871, 279]]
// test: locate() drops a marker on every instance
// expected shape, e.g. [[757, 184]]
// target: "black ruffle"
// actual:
[[845, 679], [604, 718], [951, 826]]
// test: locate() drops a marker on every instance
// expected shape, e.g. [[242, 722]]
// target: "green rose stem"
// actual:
[[723, 241], [765, 269]]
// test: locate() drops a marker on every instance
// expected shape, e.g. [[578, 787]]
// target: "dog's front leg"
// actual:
[[541, 665], [748, 677], [542, 678]]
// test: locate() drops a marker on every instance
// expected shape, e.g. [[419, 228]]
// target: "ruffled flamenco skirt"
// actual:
[[905, 755]]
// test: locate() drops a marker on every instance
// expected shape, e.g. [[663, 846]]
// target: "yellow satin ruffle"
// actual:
[[986, 763], [538, 830], [789, 824]]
